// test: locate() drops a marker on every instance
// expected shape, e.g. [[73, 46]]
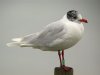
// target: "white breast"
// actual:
[[75, 32]]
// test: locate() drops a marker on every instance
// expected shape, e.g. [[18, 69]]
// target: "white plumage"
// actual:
[[58, 35]]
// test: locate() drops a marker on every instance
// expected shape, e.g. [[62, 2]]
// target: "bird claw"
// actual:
[[65, 68]]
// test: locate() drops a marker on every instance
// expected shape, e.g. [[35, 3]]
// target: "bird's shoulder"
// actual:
[[55, 26], [52, 28]]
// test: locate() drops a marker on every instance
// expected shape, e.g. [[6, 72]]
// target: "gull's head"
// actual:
[[74, 16]]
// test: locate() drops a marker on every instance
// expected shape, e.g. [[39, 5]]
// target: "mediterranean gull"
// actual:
[[56, 36]]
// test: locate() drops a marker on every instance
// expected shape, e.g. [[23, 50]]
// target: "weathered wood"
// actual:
[[61, 71]]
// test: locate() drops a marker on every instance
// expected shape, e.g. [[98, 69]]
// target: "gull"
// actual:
[[56, 36]]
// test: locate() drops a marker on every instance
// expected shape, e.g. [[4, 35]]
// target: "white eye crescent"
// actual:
[[79, 16]]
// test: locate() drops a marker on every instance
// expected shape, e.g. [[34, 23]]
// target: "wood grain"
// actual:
[[61, 71]]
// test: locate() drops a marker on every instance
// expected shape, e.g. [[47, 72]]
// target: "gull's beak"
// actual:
[[83, 20]]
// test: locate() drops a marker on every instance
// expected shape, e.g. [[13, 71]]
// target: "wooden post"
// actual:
[[61, 71]]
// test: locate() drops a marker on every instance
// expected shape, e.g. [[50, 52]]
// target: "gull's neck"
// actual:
[[64, 18], [78, 24]]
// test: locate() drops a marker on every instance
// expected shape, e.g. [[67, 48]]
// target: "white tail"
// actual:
[[17, 42], [13, 44], [23, 41], [17, 39]]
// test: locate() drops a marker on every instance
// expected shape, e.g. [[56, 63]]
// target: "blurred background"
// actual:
[[22, 17]]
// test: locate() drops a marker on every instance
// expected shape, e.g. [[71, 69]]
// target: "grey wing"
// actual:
[[51, 33], [29, 38]]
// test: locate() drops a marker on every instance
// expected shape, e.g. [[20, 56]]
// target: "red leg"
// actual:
[[60, 57], [63, 62]]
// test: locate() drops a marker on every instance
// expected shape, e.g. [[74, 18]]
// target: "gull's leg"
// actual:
[[63, 62], [60, 57]]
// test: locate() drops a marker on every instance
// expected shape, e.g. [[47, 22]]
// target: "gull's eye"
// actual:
[[74, 17]]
